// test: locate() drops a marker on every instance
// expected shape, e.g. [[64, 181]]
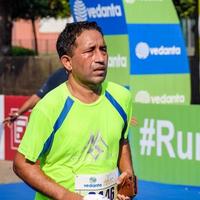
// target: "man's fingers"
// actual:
[[121, 177], [122, 197], [7, 121]]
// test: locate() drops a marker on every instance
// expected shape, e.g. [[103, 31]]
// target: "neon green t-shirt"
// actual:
[[71, 137]]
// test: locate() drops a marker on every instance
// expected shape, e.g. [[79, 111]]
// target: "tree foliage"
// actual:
[[185, 8], [11, 10], [33, 9]]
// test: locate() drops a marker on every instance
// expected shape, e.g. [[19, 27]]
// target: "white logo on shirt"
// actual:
[[97, 146]]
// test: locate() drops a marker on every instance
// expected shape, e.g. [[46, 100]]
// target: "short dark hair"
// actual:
[[66, 39]]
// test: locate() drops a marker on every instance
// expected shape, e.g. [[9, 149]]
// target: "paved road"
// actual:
[[6, 173]]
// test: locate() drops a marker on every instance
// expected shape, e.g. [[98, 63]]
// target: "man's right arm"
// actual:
[[29, 104], [32, 174]]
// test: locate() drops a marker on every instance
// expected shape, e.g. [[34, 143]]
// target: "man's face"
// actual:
[[90, 58]]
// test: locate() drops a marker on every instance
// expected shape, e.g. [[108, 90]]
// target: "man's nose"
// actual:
[[100, 56]]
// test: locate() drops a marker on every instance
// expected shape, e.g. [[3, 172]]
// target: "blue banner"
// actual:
[[109, 14], [157, 49]]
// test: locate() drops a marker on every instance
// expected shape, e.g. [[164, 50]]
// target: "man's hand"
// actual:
[[11, 118], [126, 186], [134, 121]]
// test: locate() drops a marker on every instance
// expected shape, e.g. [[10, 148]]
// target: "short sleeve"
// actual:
[[36, 134]]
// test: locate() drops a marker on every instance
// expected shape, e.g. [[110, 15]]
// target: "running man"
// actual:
[[76, 141]]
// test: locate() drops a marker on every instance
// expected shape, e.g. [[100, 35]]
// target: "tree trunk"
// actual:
[[5, 29], [35, 36]]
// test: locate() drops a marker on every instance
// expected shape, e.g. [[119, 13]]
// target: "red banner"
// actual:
[[15, 132]]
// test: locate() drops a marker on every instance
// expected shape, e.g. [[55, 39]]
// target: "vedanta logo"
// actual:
[[143, 50], [144, 97], [82, 13]]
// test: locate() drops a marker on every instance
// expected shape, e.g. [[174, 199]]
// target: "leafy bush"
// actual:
[[20, 51]]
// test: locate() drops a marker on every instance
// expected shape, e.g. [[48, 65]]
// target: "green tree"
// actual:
[[185, 8], [29, 10], [188, 10]]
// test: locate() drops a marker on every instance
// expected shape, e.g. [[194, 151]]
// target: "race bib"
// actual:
[[104, 184]]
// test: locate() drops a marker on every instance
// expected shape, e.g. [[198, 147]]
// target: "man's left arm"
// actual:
[[125, 166]]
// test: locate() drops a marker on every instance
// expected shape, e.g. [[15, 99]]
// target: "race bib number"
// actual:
[[104, 184]]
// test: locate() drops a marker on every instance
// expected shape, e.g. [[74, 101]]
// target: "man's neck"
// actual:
[[86, 94]]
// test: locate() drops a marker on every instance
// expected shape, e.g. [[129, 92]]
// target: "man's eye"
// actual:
[[89, 50], [104, 49]]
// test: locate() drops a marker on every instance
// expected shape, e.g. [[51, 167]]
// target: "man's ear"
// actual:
[[66, 61]]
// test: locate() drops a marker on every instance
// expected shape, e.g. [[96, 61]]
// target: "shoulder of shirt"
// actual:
[[120, 93], [117, 89], [53, 97]]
